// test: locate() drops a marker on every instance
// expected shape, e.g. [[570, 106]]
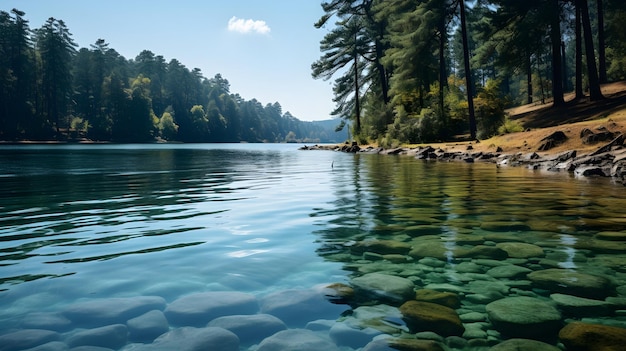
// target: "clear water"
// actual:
[[80, 222]]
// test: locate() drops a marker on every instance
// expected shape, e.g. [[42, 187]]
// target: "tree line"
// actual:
[[52, 90], [429, 70]]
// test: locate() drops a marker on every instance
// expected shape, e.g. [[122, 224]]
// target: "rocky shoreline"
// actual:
[[609, 160]]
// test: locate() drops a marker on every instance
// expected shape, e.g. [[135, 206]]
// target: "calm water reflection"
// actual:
[[101, 221]]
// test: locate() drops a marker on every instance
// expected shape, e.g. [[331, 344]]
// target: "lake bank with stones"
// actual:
[[608, 160]]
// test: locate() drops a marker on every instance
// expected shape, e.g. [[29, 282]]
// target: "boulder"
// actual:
[[593, 170], [579, 306], [483, 251], [385, 318], [298, 307], [26, 338], [431, 248], [392, 344], [570, 282], [425, 316], [110, 336], [521, 250], [46, 320], [592, 337], [344, 334], [250, 328], [198, 309], [443, 298], [338, 293], [509, 271], [148, 326], [553, 140], [296, 339], [504, 226], [524, 317], [382, 247], [112, 311], [50, 346], [523, 345], [193, 339], [384, 287], [611, 236]]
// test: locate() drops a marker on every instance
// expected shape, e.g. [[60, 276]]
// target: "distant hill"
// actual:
[[327, 133]]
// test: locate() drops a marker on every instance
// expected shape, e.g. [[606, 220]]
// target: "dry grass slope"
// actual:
[[540, 121]]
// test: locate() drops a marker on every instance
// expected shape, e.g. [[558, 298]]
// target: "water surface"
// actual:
[[81, 222]]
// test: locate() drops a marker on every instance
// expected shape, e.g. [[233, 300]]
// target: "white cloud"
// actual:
[[247, 26]]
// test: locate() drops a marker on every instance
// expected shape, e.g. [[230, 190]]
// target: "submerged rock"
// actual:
[[570, 282], [298, 307], [51, 346], [385, 318], [384, 287], [47, 321], [338, 293], [382, 247], [426, 316], [344, 334], [111, 336], [509, 271], [26, 338], [592, 337], [250, 328], [393, 344], [198, 309], [580, 306], [111, 311], [611, 236], [296, 339], [524, 317], [443, 298], [148, 326], [521, 250], [524, 345], [431, 248], [194, 339]]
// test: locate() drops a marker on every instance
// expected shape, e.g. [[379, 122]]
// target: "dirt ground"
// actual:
[[540, 121]]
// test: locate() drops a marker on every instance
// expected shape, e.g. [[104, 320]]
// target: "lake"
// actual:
[[115, 245]]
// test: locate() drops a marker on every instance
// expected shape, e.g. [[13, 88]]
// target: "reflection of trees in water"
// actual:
[[458, 204]]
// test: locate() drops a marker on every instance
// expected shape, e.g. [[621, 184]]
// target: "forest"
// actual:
[[408, 71], [52, 90], [400, 69]]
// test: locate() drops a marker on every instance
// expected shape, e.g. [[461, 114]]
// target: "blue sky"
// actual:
[[263, 47]]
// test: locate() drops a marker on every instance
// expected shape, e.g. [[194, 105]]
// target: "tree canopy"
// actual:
[[52, 90], [436, 56]]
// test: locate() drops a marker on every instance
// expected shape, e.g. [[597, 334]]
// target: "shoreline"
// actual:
[[607, 161]]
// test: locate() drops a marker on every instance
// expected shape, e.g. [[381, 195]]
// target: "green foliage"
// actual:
[[617, 64], [167, 127], [490, 106], [79, 126], [47, 88], [510, 126]]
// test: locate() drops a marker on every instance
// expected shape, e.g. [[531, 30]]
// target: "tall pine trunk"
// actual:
[[557, 70], [601, 44], [468, 73], [595, 93], [529, 79], [579, 58], [357, 103], [443, 76]]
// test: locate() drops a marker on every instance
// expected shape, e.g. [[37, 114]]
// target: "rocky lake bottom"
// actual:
[[403, 255]]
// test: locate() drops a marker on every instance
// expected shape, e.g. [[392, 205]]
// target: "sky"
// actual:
[[264, 48]]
